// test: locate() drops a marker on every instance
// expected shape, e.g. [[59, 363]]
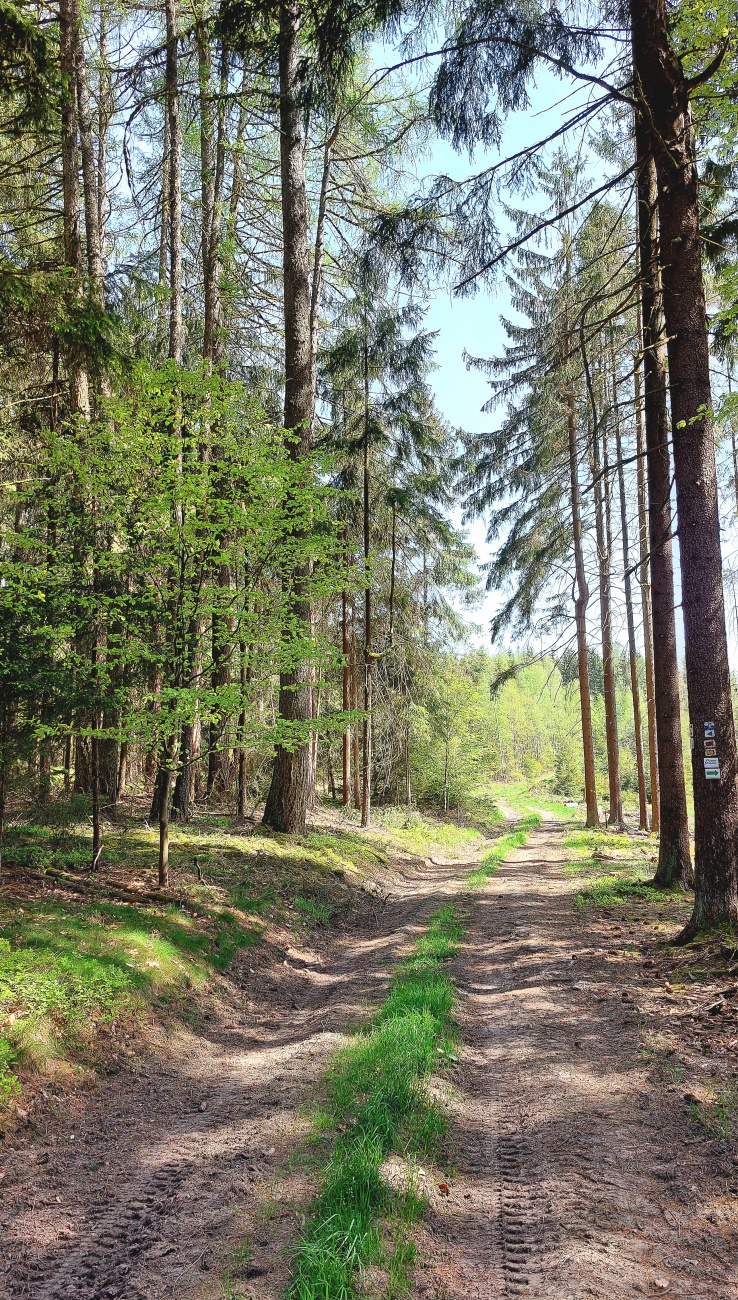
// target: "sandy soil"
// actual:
[[575, 1168]]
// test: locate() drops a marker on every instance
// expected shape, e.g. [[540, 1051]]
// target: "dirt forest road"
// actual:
[[575, 1172]]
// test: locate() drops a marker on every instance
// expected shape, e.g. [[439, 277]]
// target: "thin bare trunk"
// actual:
[[601, 478], [319, 251], [122, 772], [408, 785], [645, 585], [68, 23], [67, 762], [366, 732], [346, 701], [581, 601], [176, 335], [632, 654], [165, 786], [95, 267], [105, 109], [354, 708]]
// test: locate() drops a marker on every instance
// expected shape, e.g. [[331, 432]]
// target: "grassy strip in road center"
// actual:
[[504, 845], [379, 1099]]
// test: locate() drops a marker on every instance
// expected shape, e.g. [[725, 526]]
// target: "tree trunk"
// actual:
[[4, 728], [95, 266], [408, 785], [122, 772], [674, 864], [176, 336], [632, 656], [68, 23], [645, 585], [105, 109], [319, 252], [354, 709], [95, 767], [168, 752], [222, 636], [366, 731], [290, 793], [662, 84], [211, 184], [67, 761], [161, 310], [245, 674], [580, 613], [601, 494], [346, 701], [95, 774], [165, 786]]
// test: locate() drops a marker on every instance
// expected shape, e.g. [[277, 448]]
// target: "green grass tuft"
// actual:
[[504, 845], [586, 839], [313, 910], [719, 1114], [66, 969], [378, 1097], [614, 888]]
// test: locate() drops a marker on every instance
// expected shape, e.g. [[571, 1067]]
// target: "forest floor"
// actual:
[[594, 1115]]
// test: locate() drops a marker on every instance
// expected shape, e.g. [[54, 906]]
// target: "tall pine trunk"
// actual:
[[366, 731], [664, 90], [68, 24], [630, 620], [581, 601], [355, 778], [601, 478], [674, 864], [645, 586], [346, 702], [168, 751], [290, 793]]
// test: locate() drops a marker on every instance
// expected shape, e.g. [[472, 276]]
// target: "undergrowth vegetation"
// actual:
[[379, 1103], [73, 958], [66, 969], [718, 1114]]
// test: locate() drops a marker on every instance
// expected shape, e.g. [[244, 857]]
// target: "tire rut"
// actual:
[[574, 1180]]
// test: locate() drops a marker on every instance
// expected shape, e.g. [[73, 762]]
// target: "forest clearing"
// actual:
[[368, 649]]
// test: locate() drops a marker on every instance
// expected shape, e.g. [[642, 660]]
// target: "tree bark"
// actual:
[[630, 619], [168, 753], [165, 786], [290, 793], [645, 586], [95, 265], [366, 730], [408, 784], [346, 702], [674, 865], [354, 708], [122, 772], [604, 551], [665, 93], [68, 24], [176, 336], [580, 613]]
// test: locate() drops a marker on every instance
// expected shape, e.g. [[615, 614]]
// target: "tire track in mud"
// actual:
[[589, 1189], [154, 1223]]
